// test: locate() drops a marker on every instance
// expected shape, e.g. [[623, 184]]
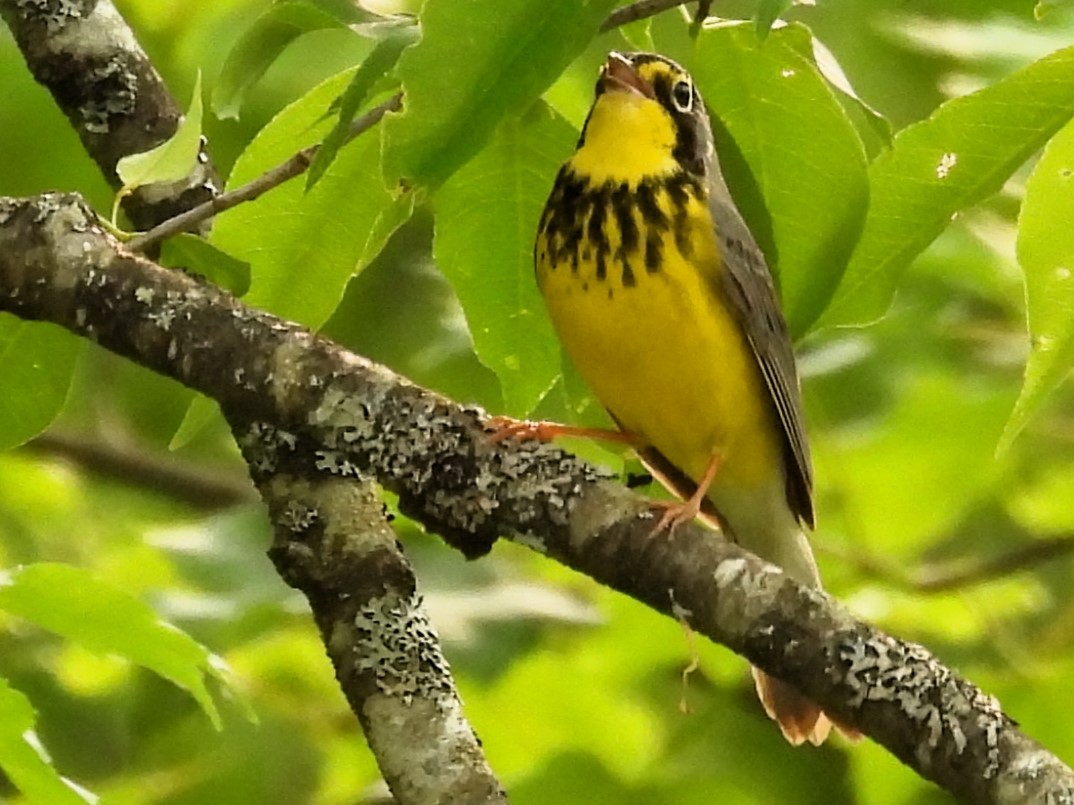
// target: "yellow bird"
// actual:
[[664, 303]]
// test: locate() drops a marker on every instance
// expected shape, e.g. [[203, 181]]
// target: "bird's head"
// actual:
[[647, 119]]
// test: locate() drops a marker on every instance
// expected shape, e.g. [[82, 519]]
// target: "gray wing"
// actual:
[[747, 283]]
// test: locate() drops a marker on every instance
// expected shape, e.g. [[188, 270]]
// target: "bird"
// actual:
[[665, 305]]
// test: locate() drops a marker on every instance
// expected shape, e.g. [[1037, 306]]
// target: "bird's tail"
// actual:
[[799, 718]]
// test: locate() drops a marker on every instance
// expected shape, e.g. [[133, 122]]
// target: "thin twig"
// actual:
[[294, 166], [941, 577], [638, 11], [184, 481], [949, 576]]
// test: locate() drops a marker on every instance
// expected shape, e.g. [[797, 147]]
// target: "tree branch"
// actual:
[[638, 11], [940, 577], [306, 399], [333, 542], [84, 53], [183, 481]]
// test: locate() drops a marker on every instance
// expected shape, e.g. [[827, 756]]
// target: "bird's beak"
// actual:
[[619, 75]]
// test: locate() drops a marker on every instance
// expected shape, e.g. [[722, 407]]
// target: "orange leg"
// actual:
[[505, 427], [677, 513]]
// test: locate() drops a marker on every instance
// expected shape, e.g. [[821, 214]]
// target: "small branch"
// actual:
[[638, 11], [333, 542], [294, 166], [308, 400], [952, 575], [85, 54], [935, 578], [184, 481]]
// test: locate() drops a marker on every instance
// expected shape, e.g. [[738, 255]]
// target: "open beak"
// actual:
[[619, 75]]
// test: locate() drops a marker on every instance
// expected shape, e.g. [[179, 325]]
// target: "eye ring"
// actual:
[[682, 95]]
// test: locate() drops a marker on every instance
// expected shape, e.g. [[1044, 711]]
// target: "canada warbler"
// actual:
[[665, 305]]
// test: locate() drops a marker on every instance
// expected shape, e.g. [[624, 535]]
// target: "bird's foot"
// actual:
[[678, 512]]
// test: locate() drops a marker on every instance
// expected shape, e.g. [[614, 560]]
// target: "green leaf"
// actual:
[[486, 221], [173, 159], [1046, 254], [304, 247], [961, 154], [350, 12], [792, 158], [638, 34], [478, 62], [766, 14], [1045, 7], [381, 60], [199, 414], [831, 69], [37, 362], [76, 605], [197, 255], [24, 760], [260, 45]]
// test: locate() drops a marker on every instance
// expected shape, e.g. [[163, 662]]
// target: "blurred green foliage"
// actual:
[[574, 690]]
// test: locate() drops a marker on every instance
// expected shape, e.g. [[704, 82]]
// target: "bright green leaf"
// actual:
[[304, 247], [1045, 7], [766, 14], [638, 34], [36, 363], [791, 156], [76, 605], [173, 159], [260, 45], [197, 255], [1046, 254], [486, 221], [831, 69], [478, 62], [421, 334], [350, 13], [961, 154], [381, 60], [199, 414], [23, 759]]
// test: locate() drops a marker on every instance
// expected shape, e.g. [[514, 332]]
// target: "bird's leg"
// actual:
[[505, 427], [678, 512]]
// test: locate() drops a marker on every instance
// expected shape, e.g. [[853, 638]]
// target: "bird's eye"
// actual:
[[682, 95]]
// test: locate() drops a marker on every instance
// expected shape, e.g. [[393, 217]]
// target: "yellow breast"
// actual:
[[630, 274]]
